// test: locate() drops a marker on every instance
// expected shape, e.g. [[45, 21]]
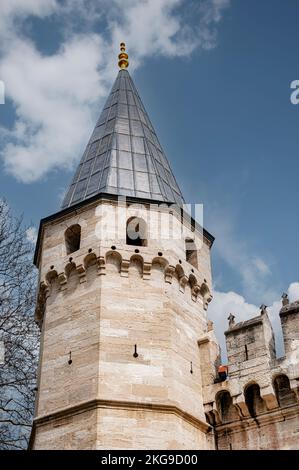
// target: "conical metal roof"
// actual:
[[124, 156]]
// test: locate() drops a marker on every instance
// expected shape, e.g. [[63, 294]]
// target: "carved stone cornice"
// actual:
[[123, 405]]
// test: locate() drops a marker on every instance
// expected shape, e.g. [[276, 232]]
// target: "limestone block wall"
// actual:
[[172, 432], [250, 346], [94, 306], [276, 432], [68, 432]]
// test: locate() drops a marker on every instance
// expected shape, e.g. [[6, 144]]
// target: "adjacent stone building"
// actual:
[[257, 406], [128, 358]]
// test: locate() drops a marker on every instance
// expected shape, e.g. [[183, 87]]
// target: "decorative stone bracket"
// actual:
[[212, 413], [183, 282], [124, 268], [91, 259], [268, 395], [195, 292], [169, 272], [240, 405], [62, 279], [81, 273], [147, 267], [101, 266]]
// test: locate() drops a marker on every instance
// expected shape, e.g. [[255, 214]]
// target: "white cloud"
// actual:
[[154, 27], [224, 303], [10, 9], [31, 234], [256, 281], [13, 10], [293, 291], [261, 266], [55, 95], [254, 271]]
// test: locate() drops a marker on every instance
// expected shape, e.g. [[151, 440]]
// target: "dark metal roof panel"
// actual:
[[124, 156], [104, 196]]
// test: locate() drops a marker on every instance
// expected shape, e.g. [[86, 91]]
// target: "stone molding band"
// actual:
[[120, 405]]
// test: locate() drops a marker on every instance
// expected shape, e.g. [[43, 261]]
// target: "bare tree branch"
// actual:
[[18, 332]]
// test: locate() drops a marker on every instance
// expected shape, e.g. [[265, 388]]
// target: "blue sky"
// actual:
[[215, 79]]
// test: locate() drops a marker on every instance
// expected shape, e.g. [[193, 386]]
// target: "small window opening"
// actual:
[[228, 412], [285, 395], [72, 238], [254, 401], [136, 232], [191, 252], [246, 353]]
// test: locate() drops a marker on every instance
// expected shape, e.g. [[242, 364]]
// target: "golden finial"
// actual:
[[123, 62]]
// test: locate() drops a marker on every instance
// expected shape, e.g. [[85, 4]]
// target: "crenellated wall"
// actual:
[[257, 406]]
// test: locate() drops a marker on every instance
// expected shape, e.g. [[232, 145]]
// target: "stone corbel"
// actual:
[[183, 281], [39, 312], [207, 299], [147, 270], [43, 294], [194, 292], [216, 414], [44, 290], [169, 272], [124, 268], [241, 407], [101, 266], [81, 273], [39, 316], [268, 395], [211, 410], [295, 388], [296, 391], [210, 417], [62, 279], [217, 417], [211, 413]]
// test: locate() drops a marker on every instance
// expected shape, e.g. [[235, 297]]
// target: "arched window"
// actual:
[[226, 408], [284, 394], [72, 238], [191, 252], [136, 232], [254, 401]]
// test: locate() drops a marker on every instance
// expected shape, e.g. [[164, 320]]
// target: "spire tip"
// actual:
[[123, 62]]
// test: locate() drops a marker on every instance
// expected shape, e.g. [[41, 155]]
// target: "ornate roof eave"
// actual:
[[112, 197]]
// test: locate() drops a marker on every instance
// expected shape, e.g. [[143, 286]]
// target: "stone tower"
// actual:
[[124, 284]]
